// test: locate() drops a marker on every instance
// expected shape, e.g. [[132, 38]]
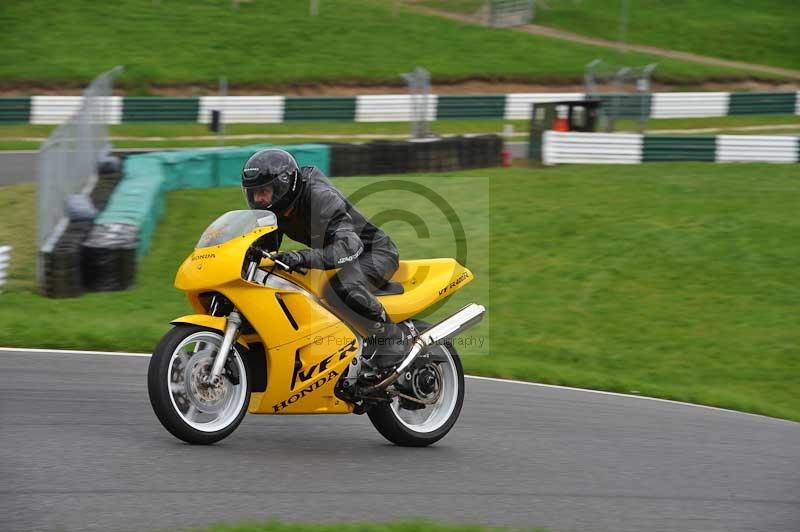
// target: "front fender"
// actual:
[[215, 323]]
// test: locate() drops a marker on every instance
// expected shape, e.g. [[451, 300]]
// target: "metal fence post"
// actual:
[[419, 88]]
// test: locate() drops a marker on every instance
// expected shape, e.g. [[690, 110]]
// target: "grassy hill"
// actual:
[[674, 280], [276, 42], [765, 32]]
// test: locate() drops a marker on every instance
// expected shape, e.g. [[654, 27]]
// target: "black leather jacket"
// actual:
[[323, 219]]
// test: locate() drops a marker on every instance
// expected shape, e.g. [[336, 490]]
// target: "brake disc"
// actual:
[[207, 399]]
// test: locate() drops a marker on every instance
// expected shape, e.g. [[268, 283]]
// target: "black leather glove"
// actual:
[[292, 259]]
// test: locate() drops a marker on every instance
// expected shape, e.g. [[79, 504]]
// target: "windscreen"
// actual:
[[233, 224]]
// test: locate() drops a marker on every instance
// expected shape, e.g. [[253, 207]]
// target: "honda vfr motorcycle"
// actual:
[[264, 340]]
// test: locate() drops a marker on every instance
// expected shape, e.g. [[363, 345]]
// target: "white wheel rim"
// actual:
[[433, 417], [206, 411]]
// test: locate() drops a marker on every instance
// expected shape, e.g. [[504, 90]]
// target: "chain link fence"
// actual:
[[507, 13], [624, 90], [67, 165]]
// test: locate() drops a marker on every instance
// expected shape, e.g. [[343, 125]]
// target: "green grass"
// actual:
[[670, 280], [18, 228], [275, 42], [766, 32], [468, 7]]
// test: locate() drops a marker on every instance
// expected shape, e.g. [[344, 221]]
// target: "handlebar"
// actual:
[[267, 255]]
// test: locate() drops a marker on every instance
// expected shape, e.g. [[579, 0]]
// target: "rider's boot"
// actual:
[[392, 342]]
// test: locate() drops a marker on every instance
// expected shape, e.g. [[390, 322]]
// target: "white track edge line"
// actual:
[[12, 350], [72, 352], [626, 395]]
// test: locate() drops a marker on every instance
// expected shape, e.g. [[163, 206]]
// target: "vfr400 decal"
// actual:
[[455, 283], [320, 366]]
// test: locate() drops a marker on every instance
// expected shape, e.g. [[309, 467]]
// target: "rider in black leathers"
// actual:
[[310, 210]]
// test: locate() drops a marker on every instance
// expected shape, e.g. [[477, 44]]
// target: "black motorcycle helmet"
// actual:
[[271, 170]]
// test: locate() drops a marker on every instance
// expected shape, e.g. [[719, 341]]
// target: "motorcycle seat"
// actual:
[[416, 285], [391, 288]]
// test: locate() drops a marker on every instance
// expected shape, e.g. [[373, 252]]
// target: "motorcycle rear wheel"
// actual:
[[188, 410], [422, 427]]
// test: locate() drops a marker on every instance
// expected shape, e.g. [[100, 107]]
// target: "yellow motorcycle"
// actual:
[[265, 340]]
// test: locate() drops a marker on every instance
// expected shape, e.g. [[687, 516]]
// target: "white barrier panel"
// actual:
[[243, 109], [750, 148], [5, 260], [689, 104], [390, 108], [602, 148], [57, 109], [518, 104]]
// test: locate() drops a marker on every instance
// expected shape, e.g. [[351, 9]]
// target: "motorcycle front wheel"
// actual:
[[419, 427], [185, 406]]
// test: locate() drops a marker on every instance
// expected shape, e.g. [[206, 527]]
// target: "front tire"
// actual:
[[190, 412], [419, 428]]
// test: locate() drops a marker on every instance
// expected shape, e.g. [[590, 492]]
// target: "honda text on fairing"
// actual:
[[264, 340]]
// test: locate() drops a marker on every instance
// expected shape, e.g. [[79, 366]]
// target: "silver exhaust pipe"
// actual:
[[449, 327]]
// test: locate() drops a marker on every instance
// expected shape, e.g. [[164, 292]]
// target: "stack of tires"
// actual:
[[109, 257], [390, 157], [64, 265], [350, 159], [445, 154]]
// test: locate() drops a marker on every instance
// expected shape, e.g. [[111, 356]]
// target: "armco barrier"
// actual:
[[491, 106], [331, 108], [392, 107], [747, 148], [762, 103], [143, 109], [56, 109], [15, 110], [611, 148], [243, 109], [678, 148], [519, 105], [593, 148], [5, 262], [689, 104]]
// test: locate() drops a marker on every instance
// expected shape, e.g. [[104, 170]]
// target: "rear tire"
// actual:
[[193, 414], [406, 430]]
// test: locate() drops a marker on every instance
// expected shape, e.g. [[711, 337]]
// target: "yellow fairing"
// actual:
[[209, 322], [307, 347], [305, 355]]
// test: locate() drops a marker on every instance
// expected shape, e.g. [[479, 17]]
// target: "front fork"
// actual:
[[231, 332]]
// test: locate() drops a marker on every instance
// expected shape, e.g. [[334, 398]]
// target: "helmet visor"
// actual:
[[266, 195]]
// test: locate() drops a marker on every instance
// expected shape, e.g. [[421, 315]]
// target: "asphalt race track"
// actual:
[[80, 449], [17, 167]]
